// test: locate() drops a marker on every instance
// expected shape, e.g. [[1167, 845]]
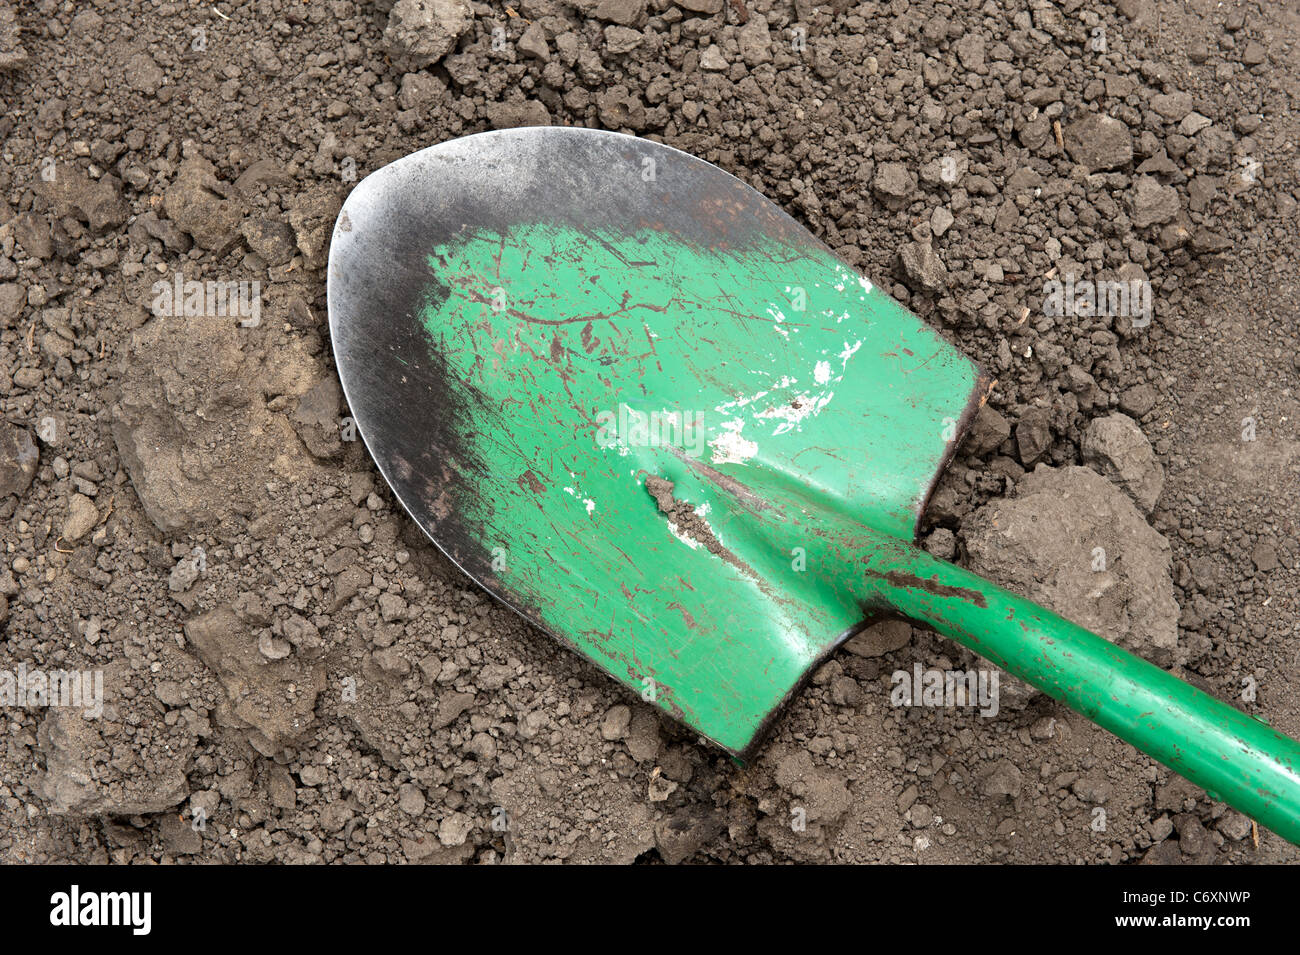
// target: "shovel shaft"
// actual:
[[1233, 756]]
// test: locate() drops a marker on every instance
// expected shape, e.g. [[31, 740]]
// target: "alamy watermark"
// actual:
[[630, 428], [35, 687], [1103, 298], [73, 908], [951, 688], [212, 299]]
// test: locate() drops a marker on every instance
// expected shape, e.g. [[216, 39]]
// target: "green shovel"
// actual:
[[651, 413]]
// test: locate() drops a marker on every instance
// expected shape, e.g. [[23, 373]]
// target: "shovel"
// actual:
[[650, 412]]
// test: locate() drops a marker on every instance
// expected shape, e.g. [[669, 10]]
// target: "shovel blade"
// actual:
[[639, 404]]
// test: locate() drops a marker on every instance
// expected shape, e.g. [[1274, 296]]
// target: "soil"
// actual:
[[292, 672]]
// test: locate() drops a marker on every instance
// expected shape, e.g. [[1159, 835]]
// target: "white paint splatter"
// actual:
[[822, 373], [849, 351], [731, 447], [727, 407], [792, 413], [591, 505], [730, 407], [848, 277], [777, 318]]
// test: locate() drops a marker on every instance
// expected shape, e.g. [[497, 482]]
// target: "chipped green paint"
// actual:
[[806, 442], [630, 274], [782, 358]]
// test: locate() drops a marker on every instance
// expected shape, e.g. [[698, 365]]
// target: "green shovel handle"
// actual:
[[1233, 756]]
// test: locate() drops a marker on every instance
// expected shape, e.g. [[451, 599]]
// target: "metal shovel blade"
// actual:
[[539, 330], [654, 415]]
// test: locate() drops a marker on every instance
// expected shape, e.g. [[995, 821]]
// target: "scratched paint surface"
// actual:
[[787, 399], [815, 449]]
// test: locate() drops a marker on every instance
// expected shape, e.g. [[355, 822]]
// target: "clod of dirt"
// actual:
[[18, 457], [311, 215], [923, 266], [706, 7], [97, 203], [621, 109], [1002, 781], [143, 74], [820, 792], [515, 113], [880, 638], [1115, 447], [277, 698], [684, 833], [687, 522], [192, 423], [623, 12], [316, 419], [33, 234], [988, 430], [149, 226], [1098, 142], [1153, 203], [273, 240], [81, 520], [73, 747], [422, 32], [1075, 543], [12, 299], [204, 206], [616, 722], [178, 834], [893, 184], [12, 55], [1033, 435], [533, 42]]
